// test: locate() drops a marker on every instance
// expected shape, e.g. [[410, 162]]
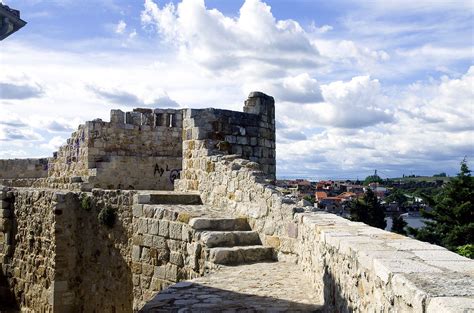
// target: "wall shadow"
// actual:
[[103, 280], [334, 300], [193, 297], [8, 303]]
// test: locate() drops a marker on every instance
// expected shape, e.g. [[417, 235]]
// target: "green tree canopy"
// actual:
[[397, 196], [398, 224], [373, 179], [451, 223], [368, 210]]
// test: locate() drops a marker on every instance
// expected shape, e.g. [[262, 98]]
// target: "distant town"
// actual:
[[404, 196]]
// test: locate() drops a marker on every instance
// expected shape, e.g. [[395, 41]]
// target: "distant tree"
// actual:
[[398, 225], [443, 174], [397, 196], [368, 210], [451, 222], [373, 179], [466, 250], [309, 198]]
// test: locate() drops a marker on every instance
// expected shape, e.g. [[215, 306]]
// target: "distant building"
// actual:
[[331, 204]]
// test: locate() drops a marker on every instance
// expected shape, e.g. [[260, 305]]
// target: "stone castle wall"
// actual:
[[27, 248], [208, 132], [23, 168], [135, 150], [354, 267], [164, 250], [57, 256]]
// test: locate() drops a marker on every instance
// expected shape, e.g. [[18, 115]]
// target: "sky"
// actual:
[[359, 85]]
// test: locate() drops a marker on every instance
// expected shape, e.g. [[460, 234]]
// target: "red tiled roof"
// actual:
[[320, 195]]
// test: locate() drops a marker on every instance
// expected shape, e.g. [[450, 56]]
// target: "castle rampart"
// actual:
[[23, 168], [59, 254]]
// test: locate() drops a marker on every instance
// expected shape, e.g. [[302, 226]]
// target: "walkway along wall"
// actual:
[[353, 266]]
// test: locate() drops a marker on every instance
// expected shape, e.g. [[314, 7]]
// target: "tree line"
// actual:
[[450, 223]]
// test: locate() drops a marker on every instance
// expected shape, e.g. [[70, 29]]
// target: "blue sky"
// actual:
[[359, 85]]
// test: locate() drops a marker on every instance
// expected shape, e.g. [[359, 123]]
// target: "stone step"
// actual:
[[240, 255], [168, 197], [219, 224], [229, 238]]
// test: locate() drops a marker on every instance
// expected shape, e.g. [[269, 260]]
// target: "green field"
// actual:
[[421, 179]]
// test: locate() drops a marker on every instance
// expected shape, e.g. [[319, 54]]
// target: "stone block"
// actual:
[[438, 255], [136, 250], [142, 227], [137, 210], [141, 198], [176, 258], [411, 295], [272, 241], [385, 268], [159, 242], [147, 269], [153, 227], [171, 272], [148, 240], [175, 231], [137, 240], [163, 229], [145, 254], [288, 245], [292, 230], [160, 271], [3, 193], [455, 266], [450, 305]]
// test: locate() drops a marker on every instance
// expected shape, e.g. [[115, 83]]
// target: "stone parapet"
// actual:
[[369, 269], [352, 266], [23, 168]]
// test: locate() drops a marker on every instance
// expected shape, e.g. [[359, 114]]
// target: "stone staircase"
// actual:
[[229, 241], [225, 241]]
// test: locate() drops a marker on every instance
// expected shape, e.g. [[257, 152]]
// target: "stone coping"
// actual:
[[444, 279], [181, 212]]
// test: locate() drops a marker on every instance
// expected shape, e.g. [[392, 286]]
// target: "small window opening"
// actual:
[[159, 119]]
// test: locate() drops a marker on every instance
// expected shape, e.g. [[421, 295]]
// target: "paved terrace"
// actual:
[[259, 287]]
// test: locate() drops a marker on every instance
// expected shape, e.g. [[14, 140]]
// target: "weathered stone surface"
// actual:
[[240, 255], [261, 287], [229, 238], [450, 305], [221, 224]]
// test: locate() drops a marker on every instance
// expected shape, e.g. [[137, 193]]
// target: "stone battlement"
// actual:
[[104, 232]]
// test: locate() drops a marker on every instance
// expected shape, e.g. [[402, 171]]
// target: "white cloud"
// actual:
[[120, 27], [54, 143], [219, 42], [345, 94], [319, 30], [18, 86], [432, 129], [353, 104]]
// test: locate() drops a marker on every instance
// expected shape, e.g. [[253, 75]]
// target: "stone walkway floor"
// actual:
[[260, 287]]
